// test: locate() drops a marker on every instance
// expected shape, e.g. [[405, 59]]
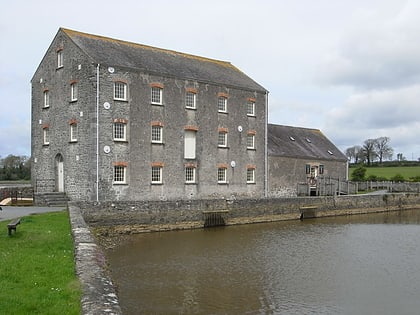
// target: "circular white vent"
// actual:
[[107, 105], [240, 128], [111, 69], [233, 164], [107, 149]]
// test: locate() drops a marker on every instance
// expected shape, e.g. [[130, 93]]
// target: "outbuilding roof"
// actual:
[[297, 142], [118, 53]]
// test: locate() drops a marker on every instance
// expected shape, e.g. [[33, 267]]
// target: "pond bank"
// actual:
[[130, 217]]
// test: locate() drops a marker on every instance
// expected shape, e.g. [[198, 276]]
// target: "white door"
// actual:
[[60, 173]]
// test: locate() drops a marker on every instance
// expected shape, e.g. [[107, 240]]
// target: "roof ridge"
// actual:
[[72, 33]]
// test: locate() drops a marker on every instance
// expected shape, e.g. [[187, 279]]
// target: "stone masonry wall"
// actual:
[[144, 216]]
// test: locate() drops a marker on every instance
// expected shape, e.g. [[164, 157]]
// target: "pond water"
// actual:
[[367, 264]]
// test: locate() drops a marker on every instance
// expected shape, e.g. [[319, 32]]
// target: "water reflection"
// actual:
[[349, 265]]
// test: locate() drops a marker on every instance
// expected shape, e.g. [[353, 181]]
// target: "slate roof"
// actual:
[[118, 53], [297, 142]]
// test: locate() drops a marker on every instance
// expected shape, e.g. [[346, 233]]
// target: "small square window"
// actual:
[[190, 100], [120, 131], [190, 175], [73, 133], [221, 175], [156, 175], [222, 104], [250, 142], [250, 175], [222, 139], [156, 97], [119, 174], [46, 99], [73, 92], [250, 109], [120, 91], [60, 63], [157, 134]]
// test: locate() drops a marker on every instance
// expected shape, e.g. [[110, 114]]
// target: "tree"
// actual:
[[354, 153], [15, 167], [369, 150], [358, 174], [383, 150]]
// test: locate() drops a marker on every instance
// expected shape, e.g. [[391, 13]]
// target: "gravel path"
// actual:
[[10, 212]]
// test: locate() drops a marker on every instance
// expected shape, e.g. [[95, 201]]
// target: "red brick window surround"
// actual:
[[120, 129], [46, 134], [156, 93], [222, 102], [250, 139], [157, 132], [250, 106], [73, 130], [222, 137], [157, 170], [190, 98], [222, 173]]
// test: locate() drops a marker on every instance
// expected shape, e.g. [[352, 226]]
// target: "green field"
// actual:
[[388, 172], [37, 272]]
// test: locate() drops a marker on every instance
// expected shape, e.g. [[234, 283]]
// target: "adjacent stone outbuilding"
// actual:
[[302, 156]]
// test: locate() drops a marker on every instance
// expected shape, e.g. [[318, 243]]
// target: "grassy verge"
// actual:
[[37, 274]]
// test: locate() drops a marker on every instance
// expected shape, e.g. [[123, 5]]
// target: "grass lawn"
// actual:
[[388, 172], [37, 270]]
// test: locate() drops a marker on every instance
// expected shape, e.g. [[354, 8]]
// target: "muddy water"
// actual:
[[366, 264]]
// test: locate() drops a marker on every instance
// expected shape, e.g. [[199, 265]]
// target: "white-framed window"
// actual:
[[250, 141], [73, 132], [60, 59], [120, 174], [221, 175], [120, 131], [46, 133], [157, 136], [250, 108], [46, 98], [189, 174], [156, 95], [189, 144], [190, 100], [250, 175], [120, 91], [156, 174], [222, 139], [73, 91], [222, 104]]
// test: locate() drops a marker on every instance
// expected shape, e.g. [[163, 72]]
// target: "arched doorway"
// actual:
[[59, 173]]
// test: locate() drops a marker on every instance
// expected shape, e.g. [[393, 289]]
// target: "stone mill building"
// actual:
[[115, 120]]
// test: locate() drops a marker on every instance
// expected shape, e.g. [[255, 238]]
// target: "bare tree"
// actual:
[[354, 153], [383, 149], [369, 150]]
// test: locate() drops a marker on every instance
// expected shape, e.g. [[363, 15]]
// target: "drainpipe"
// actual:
[[266, 147], [97, 133]]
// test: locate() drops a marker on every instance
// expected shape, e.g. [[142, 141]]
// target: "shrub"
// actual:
[[358, 174], [398, 178], [415, 178]]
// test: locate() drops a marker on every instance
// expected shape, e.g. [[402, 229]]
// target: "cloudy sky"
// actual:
[[350, 68]]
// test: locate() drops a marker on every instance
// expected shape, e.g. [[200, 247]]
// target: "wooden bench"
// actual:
[[12, 225]]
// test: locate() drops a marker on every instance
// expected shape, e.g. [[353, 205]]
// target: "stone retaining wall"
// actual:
[[98, 296], [146, 216]]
